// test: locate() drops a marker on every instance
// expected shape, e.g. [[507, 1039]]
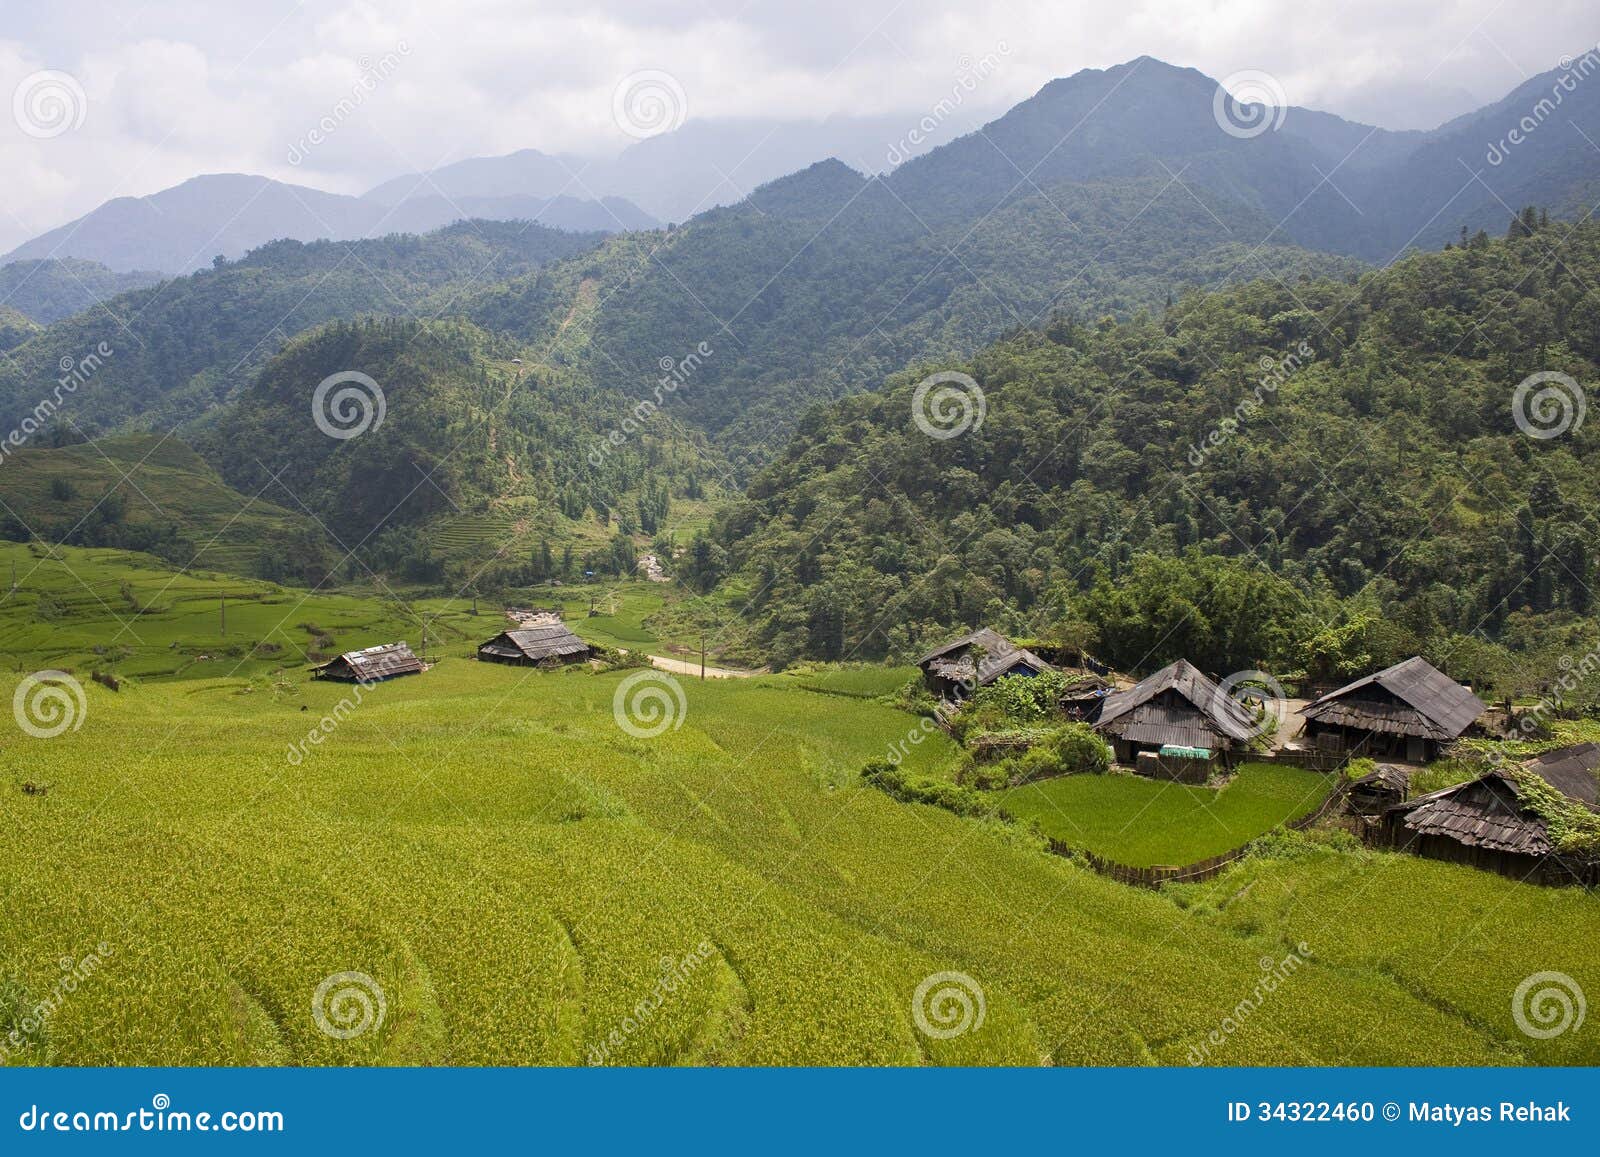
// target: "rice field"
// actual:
[[224, 862], [480, 865], [1142, 822]]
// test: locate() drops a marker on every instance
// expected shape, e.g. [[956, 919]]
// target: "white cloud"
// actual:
[[179, 87]]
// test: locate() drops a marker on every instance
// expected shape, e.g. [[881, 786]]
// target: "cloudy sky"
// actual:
[[166, 89]]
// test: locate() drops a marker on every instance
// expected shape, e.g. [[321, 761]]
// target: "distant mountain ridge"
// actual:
[[184, 228]]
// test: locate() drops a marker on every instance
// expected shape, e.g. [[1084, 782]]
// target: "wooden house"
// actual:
[[547, 643], [1177, 708], [372, 665], [962, 665], [1487, 823], [1379, 790], [1406, 711]]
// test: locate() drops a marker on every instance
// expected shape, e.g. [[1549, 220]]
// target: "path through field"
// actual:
[[680, 667]]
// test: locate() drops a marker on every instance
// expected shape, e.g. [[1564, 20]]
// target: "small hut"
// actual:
[[962, 665], [1379, 790], [1406, 711], [1487, 822], [548, 643], [372, 665], [1180, 710]]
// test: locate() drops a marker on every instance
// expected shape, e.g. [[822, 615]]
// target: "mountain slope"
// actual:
[[462, 424], [1349, 458], [176, 507], [180, 348], [56, 288], [182, 229]]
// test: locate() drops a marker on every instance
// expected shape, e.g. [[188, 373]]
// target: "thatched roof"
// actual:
[[1571, 771], [374, 663], [1411, 698], [980, 658], [534, 644], [1177, 705]]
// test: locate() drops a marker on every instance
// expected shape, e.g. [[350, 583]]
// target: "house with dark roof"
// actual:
[[1489, 822], [372, 665], [1177, 707], [1406, 711], [961, 666], [547, 643]]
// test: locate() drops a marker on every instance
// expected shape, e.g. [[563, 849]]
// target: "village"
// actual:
[[1372, 739]]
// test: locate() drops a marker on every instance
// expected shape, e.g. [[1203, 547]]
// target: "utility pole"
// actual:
[[702, 655], [223, 611]]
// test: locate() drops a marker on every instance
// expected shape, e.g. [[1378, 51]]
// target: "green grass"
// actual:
[[99, 608], [857, 681], [1141, 822], [511, 867]]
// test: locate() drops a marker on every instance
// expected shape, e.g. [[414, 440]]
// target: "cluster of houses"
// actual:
[[540, 640], [1181, 725]]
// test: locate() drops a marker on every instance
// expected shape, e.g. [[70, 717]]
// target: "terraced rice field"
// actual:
[[522, 881], [1142, 822], [132, 614]]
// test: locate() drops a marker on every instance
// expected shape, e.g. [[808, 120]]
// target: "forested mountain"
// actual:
[[15, 328], [184, 228], [461, 422], [181, 348], [1247, 477], [1107, 192], [824, 282], [50, 289]]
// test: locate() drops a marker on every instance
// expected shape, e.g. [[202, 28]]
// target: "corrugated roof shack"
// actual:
[[1177, 707], [1407, 711], [1488, 823], [962, 665], [550, 644], [372, 665]]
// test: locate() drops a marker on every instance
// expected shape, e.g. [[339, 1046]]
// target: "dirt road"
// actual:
[[681, 667]]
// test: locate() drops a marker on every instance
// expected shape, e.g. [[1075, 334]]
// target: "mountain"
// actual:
[[452, 427], [169, 354], [49, 290], [700, 166], [1256, 475], [185, 228], [15, 328]]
